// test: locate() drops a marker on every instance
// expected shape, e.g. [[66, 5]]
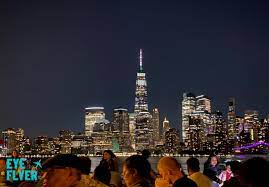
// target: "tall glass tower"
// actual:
[[141, 95], [231, 118], [143, 119], [156, 125], [120, 127], [188, 107]]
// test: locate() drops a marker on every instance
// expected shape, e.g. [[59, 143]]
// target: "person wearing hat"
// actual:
[[62, 170]]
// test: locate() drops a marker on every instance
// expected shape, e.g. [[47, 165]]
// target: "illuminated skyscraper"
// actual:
[[239, 120], [265, 131], [166, 126], [252, 123], [143, 131], [171, 140], [141, 100], [188, 107], [120, 120], [196, 133], [156, 125], [205, 125], [9, 137], [19, 139], [219, 129], [19, 134], [40, 145], [231, 129], [203, 103], [93, 115], [120, 128], [197, 123], [251, 117], [143, 119], [132, 118], [65, 138], [54, 145]]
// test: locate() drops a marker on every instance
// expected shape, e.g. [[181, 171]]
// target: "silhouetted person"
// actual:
[[226, 174], [110, 158], [15, 154], [146, 154], [254, 172], [86, 179], [102, 174], [212, 169], [171, 173], [136, 171], [62, 170], [234, 181], [86, 165], [193, 166]]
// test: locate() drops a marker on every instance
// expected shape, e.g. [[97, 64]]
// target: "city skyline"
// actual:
[[57, 60], [205, 106]]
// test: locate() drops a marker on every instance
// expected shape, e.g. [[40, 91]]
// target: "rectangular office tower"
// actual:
[[231, 128]]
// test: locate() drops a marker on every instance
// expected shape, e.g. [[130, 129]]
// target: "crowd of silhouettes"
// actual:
[[68, 170]]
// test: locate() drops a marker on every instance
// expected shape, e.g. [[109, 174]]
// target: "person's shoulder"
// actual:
[[115, 159], [185, 181], [144, 183], [89, 181], [100, 184], [191, 182]]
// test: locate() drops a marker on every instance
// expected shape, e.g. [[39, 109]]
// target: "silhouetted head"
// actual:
[[135, 168], [108, 154], [235, 166], [169, 169], [213, 160], [86, 165], [146, 153], [15, 154], [193, 165], [228, 166], [102, 174], [254, 172], [62, 170]]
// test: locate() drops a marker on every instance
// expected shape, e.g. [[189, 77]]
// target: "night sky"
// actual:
[[59, 57]]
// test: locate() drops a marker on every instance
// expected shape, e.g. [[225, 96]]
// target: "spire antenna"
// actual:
[[141, 60]]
